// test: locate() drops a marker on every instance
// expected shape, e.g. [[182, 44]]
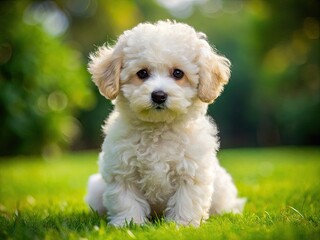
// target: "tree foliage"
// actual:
[[287, 60], [43, 83]]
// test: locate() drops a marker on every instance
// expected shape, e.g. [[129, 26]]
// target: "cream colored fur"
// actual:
[[160, 161]]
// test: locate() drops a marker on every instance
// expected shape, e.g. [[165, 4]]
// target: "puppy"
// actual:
[[159, 152]]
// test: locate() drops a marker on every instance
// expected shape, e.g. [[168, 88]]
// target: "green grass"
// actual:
[[44, 199]]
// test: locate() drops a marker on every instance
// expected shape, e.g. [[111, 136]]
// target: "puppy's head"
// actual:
[[159, 71]]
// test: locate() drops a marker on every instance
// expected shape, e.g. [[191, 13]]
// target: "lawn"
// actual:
[[43, 199]]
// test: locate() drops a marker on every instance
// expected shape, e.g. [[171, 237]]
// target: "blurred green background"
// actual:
[[48, 103]]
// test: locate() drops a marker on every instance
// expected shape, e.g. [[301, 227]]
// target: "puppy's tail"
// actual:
[[238, 205], [96, 188]]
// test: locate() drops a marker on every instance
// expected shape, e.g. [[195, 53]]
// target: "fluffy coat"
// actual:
[[159, 152]]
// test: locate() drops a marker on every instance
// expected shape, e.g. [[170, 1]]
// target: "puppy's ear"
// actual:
[[214, 73], [105, 66]]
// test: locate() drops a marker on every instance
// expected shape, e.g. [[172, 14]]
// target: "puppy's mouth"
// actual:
[[159, 107]]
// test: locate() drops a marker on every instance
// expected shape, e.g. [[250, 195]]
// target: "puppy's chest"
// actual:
[[159, 155]]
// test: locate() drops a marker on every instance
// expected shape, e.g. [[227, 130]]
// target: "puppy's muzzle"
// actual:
[[159, 98]]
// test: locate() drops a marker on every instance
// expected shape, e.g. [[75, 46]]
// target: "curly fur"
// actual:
[[160, 161]]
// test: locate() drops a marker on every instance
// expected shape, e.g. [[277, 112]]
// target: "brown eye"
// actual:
[[143, 74], [177, 74]]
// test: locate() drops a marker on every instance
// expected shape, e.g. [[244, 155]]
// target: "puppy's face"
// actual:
[[160, 70], [158, 77], [157, 92]]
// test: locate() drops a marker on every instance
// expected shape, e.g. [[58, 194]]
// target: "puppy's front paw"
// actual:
[[124, 205], [117, 222], [189, 205], [182, 220]]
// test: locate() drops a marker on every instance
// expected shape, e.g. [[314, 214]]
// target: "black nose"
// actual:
[[159, 96]]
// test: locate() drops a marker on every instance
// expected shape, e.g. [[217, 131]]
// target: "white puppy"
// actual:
[[159, 153]]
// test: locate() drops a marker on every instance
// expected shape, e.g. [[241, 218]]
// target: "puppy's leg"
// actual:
[[125, 203], [225, 197], [190, 204], [96, 188]]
